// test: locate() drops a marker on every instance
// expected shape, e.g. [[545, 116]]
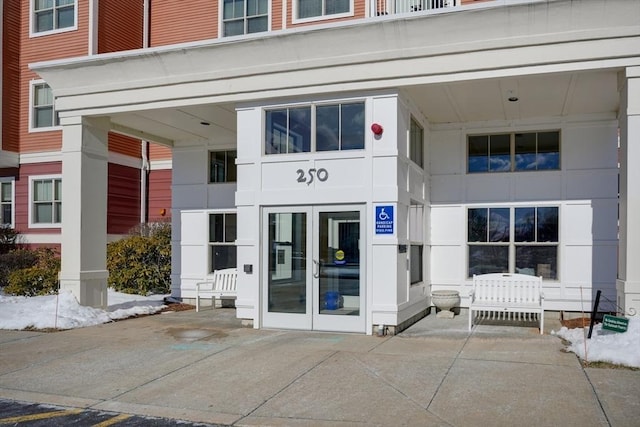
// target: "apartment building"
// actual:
[[139, 171], [349, 157]]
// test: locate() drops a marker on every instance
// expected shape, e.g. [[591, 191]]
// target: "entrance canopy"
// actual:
[[504, 65]]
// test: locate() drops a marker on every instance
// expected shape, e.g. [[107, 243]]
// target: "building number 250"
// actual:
[[311, 174]]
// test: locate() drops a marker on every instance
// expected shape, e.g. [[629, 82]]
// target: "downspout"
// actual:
[[146, 13], [144, 170], [93, 28], [144, 177]]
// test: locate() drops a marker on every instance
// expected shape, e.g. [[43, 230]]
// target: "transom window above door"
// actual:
[[244, 17], [321, 127], [513, 152], [307, 9]]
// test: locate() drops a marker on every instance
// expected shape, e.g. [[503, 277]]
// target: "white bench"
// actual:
[[222, 285], [507, 293]]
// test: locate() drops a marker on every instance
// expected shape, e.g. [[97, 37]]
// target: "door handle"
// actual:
[[316, 269]]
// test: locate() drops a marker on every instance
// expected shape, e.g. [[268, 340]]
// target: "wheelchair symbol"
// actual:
[[383, 216]]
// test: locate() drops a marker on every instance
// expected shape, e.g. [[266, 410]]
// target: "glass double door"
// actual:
[[313, 269]]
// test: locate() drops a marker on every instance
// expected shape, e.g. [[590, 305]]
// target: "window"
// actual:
[[513, 240], [222, 166], [43, 114], [415, 261], [316, 8], [416, 143], [514, 152], [222, 237], [51, 15], [245, 17], [334, 127], [46, 201], [416, 237], [6, 202]]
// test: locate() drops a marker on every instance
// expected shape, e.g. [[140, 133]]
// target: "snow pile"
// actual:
[[605, 346], [63, 311]]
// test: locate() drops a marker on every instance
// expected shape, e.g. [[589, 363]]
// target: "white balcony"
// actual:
[[393, 7]]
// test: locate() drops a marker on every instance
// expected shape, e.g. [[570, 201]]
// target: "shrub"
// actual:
[[15, 260], [39, 279], [141, 263], [8, 239]]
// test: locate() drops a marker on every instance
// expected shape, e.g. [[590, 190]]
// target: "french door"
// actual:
[[313, 268]]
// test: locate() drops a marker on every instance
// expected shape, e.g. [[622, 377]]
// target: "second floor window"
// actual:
[[335, 127], [416, 143], [245, 17], [509, 152], [318, 8], [222, 166], [51, 15], [44, 115]]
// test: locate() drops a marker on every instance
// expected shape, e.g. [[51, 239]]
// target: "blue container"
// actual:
[[332, 300]]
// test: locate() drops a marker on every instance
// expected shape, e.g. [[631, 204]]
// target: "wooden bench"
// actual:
[[504, 293], [222, 285]]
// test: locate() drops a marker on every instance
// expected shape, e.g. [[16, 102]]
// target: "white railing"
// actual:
[[392, 7]]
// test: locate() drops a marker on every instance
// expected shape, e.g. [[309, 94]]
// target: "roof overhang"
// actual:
[[566, 46]]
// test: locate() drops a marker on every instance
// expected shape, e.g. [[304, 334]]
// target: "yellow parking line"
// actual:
[[41, 416], [113, 420]]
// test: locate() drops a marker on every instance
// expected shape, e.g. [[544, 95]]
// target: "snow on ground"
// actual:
[[605, 346], [63, 311]]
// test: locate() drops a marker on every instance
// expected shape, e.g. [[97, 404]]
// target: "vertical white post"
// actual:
[[628, 283], [84, 209]]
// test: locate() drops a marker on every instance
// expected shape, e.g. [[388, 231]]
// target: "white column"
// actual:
[[628, 283], [84, 209]]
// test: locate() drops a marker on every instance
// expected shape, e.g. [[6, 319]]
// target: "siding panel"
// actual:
[[174, 22], [123, 201], [120, 25], [159, 152], [126, 145], [11, 16], [159, 194]]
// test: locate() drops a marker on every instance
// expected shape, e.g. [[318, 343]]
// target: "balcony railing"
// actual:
[[392, 7]]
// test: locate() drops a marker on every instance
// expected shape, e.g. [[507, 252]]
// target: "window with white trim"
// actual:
[[319, 8], [7, 195], [416, 239], [318, 127], [53, 15], [512, 152], [222, 166], [45, 194], [244, 17], [416, 143], [43, 114], [222, 241], [513, 240]]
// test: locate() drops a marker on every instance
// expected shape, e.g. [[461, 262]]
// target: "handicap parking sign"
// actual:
[[384, 219]]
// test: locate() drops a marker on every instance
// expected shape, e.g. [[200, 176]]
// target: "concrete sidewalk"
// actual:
[[205, 367]]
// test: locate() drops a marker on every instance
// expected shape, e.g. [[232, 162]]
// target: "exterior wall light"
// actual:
[[377, 129]]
